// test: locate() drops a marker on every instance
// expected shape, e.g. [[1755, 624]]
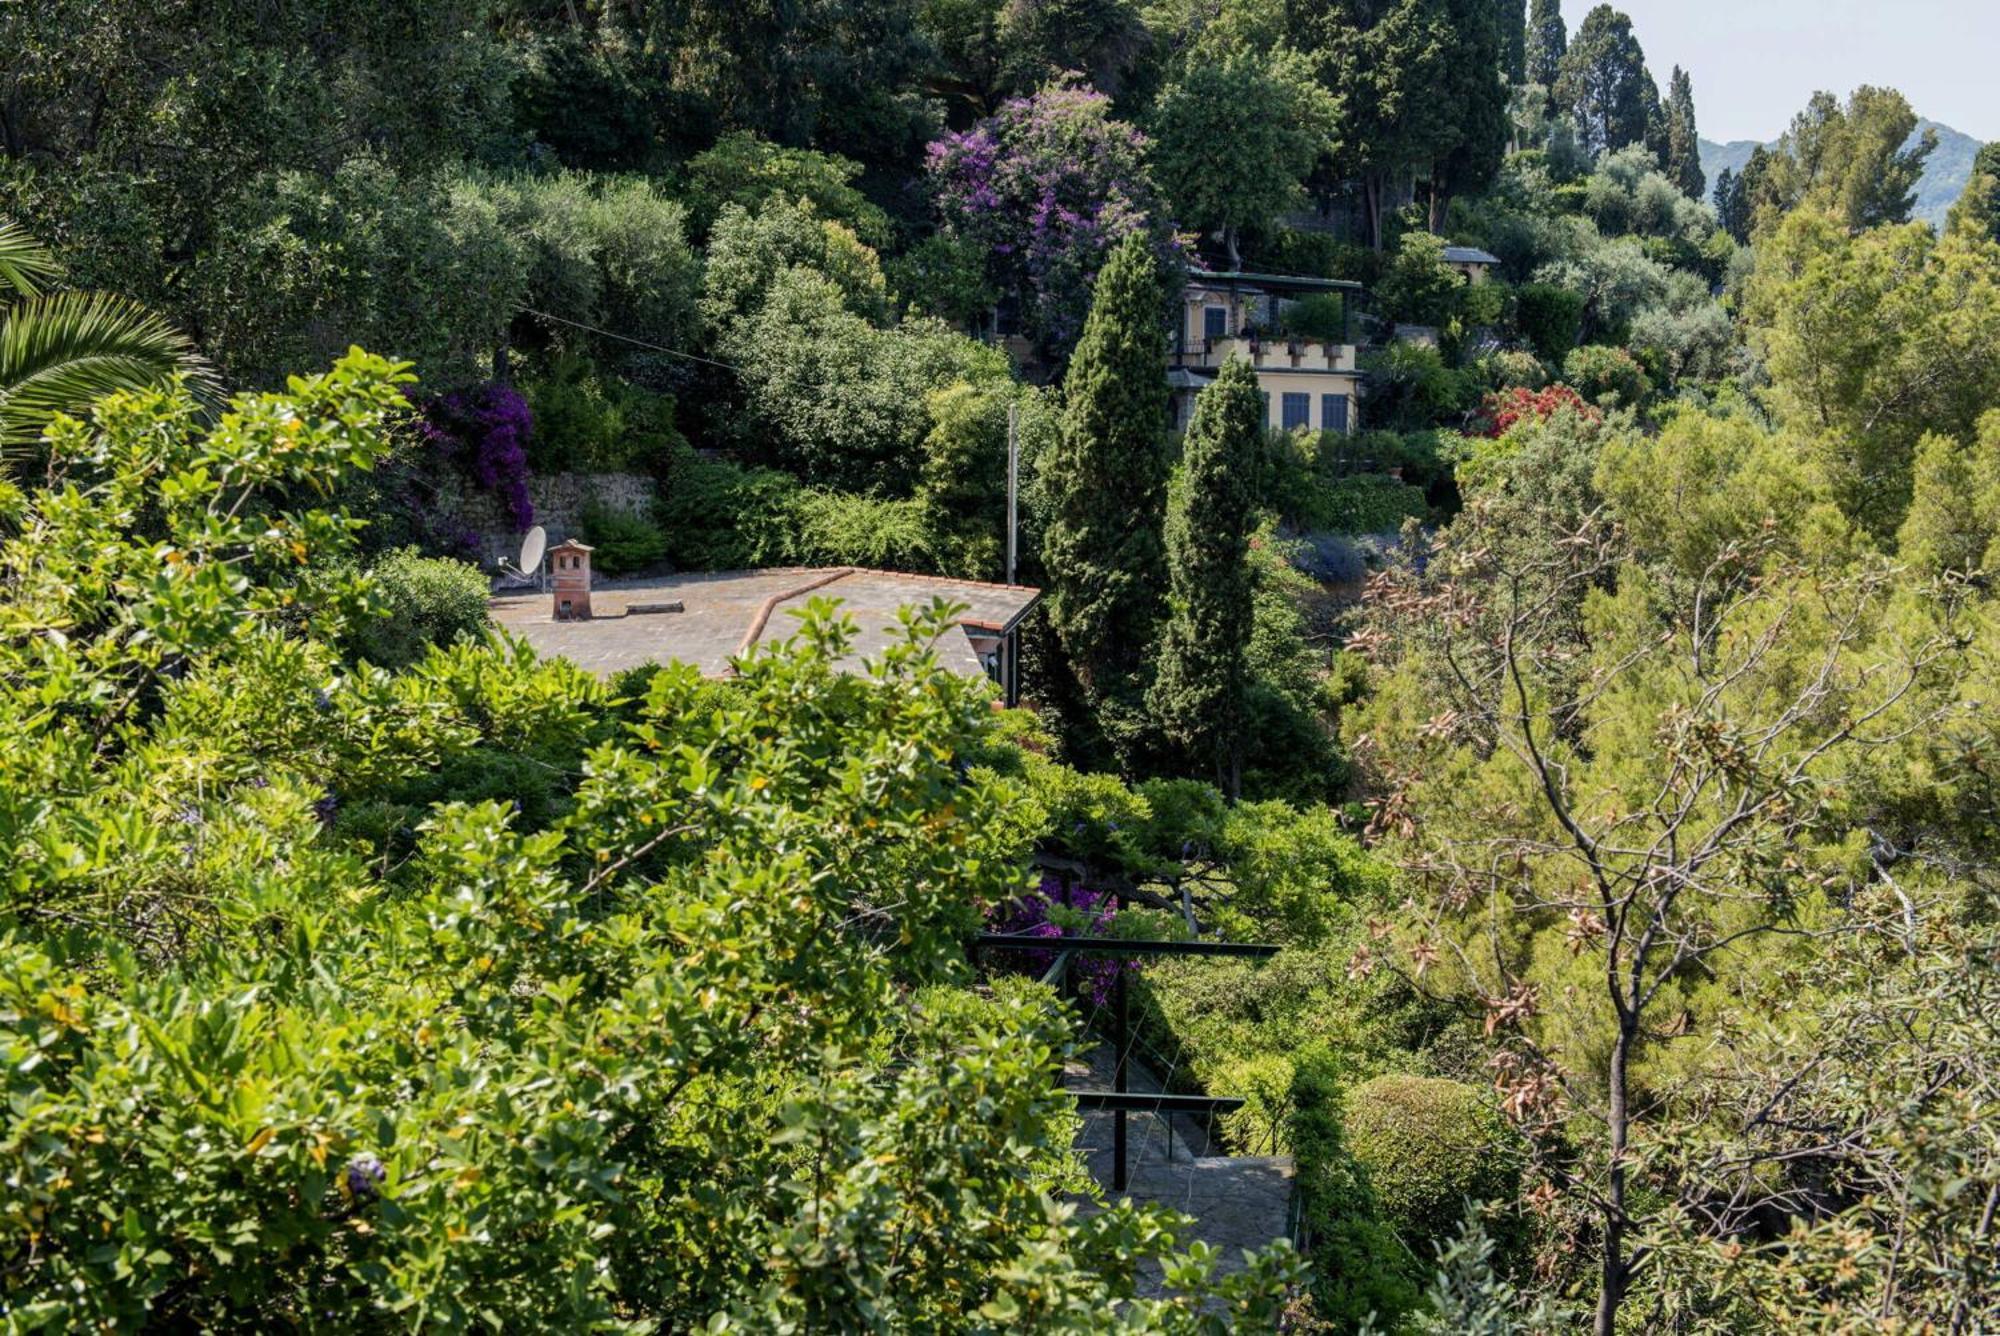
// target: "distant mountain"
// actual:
[[1943, 181]]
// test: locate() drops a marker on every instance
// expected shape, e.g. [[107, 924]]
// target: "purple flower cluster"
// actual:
[[1050, 184], [485, 430], [364, 1178], [1044, 913]]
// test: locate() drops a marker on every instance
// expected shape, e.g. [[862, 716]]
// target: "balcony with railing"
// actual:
[[1264, 353]]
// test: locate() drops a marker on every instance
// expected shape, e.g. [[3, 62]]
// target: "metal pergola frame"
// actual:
[[1119, 1099]]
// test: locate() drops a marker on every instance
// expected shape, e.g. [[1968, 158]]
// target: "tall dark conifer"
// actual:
[[1199, 696], [1106, 481], [1683, 139], [1547, 40], [1514, 23], [1603, 82]]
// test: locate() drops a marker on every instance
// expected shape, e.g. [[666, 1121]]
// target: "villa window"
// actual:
[[1214, 321], [1298, 411], [1333, 412]]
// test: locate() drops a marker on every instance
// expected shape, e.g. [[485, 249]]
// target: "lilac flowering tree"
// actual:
[[1048, 186], [484, 429]]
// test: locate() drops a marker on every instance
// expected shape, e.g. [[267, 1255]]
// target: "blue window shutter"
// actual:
[[1333, 412], [1267, 408], [1297, 410], [1214, 321]]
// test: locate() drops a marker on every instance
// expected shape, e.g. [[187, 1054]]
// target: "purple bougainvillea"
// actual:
[[1049, 185], [484, 429], [1048, 912]]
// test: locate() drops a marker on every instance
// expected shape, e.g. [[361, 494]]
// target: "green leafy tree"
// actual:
[[1040, 40], [610, 253], [1106, 486], [1548, 41], [1391, 66], [1200, 693], [426, 267], [1234, 138], [1859, 161], [1418, 287], [1873, 340], [742, 169], [1475, 92], [1683, 162], [1603, 83], [60, 351], [1978, 208], [1954, 513], [638, 1016], [1640, 677]]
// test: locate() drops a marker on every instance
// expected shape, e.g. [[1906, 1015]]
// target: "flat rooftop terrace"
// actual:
[[726, 614]]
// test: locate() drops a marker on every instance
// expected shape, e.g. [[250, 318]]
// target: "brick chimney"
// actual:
[[569, 560]]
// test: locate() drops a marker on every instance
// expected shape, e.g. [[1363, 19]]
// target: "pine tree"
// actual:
[[1683, 140], [1604, 84], [1106, 484], [1547, 40], [1978, 209], [1198, 697]]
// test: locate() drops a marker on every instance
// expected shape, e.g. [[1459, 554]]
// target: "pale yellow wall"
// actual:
[[1312, 385]]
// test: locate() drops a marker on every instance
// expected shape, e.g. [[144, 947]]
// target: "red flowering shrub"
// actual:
[[1502, 409]]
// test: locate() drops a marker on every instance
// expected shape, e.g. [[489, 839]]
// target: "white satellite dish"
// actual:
[[529, 572]]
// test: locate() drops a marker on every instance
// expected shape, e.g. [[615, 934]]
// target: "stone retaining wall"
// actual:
[[560, 500]]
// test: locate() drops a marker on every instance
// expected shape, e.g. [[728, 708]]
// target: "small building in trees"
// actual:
[[1471, 261], [1296, 333]]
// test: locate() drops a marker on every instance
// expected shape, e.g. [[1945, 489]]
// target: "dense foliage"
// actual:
[[649, 1051], [1601, 731]]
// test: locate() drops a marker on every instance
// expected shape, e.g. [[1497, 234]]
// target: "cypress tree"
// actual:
[[1683, 140], [1198, 697], [1732, 205], [1514, 18], [1548, 39], [1106, 485]]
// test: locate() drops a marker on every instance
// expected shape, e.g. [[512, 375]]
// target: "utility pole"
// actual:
[[1013, 480]]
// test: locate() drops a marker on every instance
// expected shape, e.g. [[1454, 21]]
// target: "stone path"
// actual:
[[1238, 1202]]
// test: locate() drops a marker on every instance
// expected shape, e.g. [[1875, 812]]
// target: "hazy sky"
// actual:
[[1755, 62]]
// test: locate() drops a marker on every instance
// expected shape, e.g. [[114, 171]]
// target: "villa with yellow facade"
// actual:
[[1310, 380]]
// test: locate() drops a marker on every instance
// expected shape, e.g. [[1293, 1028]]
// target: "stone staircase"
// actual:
[[1238, 1202]]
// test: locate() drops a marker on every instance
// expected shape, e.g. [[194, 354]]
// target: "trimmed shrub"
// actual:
[[1362, 1273], [1550, 318], [1365, 503], [425, 601], [1429, 1145]]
